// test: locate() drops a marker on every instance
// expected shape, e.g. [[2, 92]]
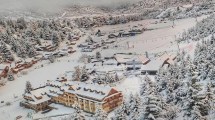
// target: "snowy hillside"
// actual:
[[145, 60]]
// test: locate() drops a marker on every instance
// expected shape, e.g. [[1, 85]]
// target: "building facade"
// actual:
[[88, 97]]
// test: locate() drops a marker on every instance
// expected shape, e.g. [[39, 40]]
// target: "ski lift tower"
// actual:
[[134, 67]]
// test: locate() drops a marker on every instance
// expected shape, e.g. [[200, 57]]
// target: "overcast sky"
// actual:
[[55, 4]]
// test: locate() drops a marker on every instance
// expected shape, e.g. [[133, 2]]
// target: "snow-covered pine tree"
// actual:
[[51, 58], [98, 56], [193, 103], [10, 76], [77, 74], [55, 39], [84, 74], [77, 114], [153, 107], [121, 113], [21, 23], [116, 79], [143, 88], [100, 114], [69, 37], [28, 87], [136, 108]]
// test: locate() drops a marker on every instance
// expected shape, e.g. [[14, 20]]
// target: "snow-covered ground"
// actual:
[[160, 39], [131, 84]]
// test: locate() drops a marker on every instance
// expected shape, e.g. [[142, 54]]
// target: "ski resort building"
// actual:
[[165, 60], [89, 97]]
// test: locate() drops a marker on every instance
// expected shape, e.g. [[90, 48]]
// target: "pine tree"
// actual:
[[51, 58], [10, 76], [152, 107], [98, 55], [193, 102], [121, 113], [55, 39], [143, 88], [100, 114], [28, 87], [136, 108], [69, 36], [77, 115], [84, 74], [116, 79], [77, 74]]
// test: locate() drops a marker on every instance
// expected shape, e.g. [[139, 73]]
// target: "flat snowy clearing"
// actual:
[[158, 40]]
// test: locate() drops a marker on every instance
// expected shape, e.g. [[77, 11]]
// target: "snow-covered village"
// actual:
[[107, 59]]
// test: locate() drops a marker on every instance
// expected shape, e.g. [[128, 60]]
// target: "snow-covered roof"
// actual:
[[122, 58], [38, 95], [107, 68], [167, 56], [110, 61], [2, 67], [172, 56], [153, 65], [38, 101], [93, 91], [131, 62], [164, 57], [170, 61], [143, 59], [89, 65], [55, 88]]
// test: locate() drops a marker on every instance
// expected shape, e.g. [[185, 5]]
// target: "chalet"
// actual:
[[4, 70], [68, 93], [155, 64], [37, 99], [22, 66], [111, 36]]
